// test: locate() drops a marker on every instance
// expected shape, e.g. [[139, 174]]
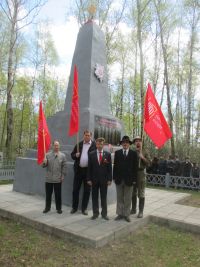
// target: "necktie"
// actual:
[[124, 153], [100, 157]]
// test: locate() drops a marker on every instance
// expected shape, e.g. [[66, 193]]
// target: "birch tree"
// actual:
[[163, 20], [17, 20], [192, 9], [141, 20]]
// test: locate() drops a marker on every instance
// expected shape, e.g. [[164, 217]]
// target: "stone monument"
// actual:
[[95, 115], [90, 59]]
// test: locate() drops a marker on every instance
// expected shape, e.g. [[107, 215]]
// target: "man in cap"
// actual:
[[124, 175], [139, 187]]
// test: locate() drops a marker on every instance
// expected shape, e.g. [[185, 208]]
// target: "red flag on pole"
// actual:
[[44, 137], [74, 117], [155, 124]]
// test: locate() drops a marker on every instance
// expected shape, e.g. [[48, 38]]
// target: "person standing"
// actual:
[[99, 177], [195, 170], [187, 167], [124, 175], [139, 187], [56, 164], [177, 166], [80, 157], [162, 166]]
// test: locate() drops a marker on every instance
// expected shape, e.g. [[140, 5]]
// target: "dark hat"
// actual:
[[125, 138], [137, 138]]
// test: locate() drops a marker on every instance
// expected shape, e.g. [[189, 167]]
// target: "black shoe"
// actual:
[[94, 217], [119, 217], [133, 211], [140, 214], [105, 218], [73, 211], [85, 212], [46, 210], [59, 211], [127, 219]]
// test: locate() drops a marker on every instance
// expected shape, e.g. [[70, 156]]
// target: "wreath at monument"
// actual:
[[99, 72]]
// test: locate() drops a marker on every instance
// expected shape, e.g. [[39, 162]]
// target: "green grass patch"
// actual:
[[151, 246], [3, 182]]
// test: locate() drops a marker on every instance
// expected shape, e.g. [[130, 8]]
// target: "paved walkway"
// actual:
[[160, 207]]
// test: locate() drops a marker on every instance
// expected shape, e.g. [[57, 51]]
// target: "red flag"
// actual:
[[44, 137], [155, 124], [74, 117]]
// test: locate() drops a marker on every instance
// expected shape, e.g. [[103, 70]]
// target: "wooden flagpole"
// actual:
[[77, 141], [142, 133], [141, 146], [44, 143]]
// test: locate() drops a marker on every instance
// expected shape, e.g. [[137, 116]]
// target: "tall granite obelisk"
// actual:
[[90, 59], [95, 115]]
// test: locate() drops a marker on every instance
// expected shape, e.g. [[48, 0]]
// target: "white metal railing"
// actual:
[[173, 181], [7, 169], [7, 174]]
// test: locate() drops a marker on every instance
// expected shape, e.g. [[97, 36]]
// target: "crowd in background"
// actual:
[[174, 166]]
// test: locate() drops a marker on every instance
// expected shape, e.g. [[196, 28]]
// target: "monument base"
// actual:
[[30, 179]]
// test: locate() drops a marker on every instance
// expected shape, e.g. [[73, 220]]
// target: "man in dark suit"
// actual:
[[124, 175], [80, 155], [99, 177]]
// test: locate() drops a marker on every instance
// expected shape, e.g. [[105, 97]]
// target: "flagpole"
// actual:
[[77, 142], [141, 143], [44, 143]]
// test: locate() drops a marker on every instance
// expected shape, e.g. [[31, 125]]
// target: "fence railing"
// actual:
[[7, 174], [7, 169], [173, 181]]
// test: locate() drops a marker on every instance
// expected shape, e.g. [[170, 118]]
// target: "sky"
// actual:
[[64, 32]]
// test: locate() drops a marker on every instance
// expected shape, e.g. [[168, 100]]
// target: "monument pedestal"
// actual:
[[30, 179], [95, 115]]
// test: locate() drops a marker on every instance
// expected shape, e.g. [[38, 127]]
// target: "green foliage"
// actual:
[[27, 89]]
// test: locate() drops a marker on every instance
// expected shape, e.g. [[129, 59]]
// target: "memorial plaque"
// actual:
[[108, 128]]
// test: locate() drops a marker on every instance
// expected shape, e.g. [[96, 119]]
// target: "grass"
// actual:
[[151, 246], [3, 182]]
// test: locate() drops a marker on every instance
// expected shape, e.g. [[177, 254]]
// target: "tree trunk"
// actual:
[[166, 80], [3, 130], [121, 108], [197, 129], [177, 121], [135, 96], [11, 70], [21, 126], [139, 36], [189, 93], [156, 60]]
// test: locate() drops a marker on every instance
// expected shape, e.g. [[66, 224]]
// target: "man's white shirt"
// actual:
[[84, 154]]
